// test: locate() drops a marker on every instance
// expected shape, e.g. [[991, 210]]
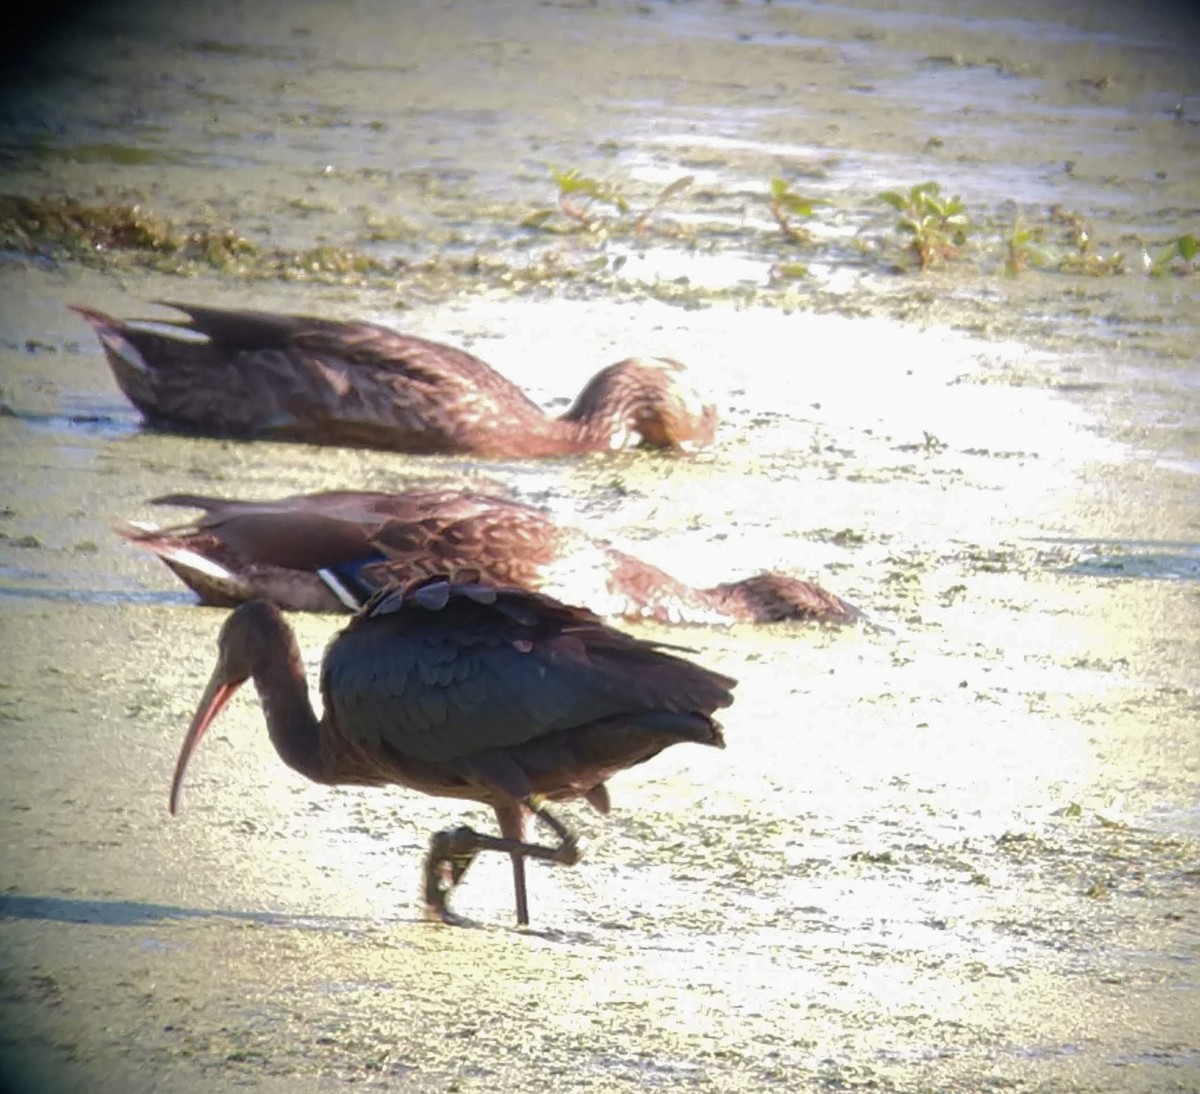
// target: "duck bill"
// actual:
[[212, 702]]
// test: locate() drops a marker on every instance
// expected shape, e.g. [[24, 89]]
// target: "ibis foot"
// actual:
[[451, 852]]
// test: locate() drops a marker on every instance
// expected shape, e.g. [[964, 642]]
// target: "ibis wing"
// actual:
[[438, 698], [438, 688]]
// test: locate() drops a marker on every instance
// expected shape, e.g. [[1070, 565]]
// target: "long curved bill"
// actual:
[[212, 702]]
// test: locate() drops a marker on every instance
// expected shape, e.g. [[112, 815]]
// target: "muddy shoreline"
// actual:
[[957, 854]]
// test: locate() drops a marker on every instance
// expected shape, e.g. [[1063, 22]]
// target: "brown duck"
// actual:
[[254, 374], [331, 551], [462, 690]]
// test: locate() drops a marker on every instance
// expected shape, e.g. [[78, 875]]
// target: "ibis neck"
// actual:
[[283, 692]]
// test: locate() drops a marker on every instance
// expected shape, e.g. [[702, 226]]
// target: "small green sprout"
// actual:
[[1021, 248], [786, 204], [572, 186], [580, 196], [577, 194], [1180, 254], [938, 225]]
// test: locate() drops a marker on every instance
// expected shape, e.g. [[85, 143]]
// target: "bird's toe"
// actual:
[[570, 851], [438, 912]]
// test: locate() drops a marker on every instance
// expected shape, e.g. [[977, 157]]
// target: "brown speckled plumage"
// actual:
[[259, 375], [297, 551]]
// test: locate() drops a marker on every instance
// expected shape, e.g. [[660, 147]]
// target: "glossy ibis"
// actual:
[[461, 689], [256, 374], [331, 551]]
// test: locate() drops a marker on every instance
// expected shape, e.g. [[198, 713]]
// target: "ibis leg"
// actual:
[[452, 851], [513, 820]]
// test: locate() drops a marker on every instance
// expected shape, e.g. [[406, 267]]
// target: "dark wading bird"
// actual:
[[465, 690], [331, 551], [255, 374]]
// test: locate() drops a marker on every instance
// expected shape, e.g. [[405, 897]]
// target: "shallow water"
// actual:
[[954, 854]]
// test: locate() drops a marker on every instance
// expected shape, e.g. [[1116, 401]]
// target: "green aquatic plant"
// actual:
[[592, 205], [325, 259], [579, 196], [937, 224], [221, 248], [1021, 248], [1179, 255], [116, 233], [1072, 251], [130, 236], [786, 204], [123, 235], [28, 224]]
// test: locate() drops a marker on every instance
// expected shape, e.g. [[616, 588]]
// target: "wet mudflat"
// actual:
[[958, 853]]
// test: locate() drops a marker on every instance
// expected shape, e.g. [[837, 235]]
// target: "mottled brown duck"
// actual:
[[332, 551], [462, 690], [254, 374]]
